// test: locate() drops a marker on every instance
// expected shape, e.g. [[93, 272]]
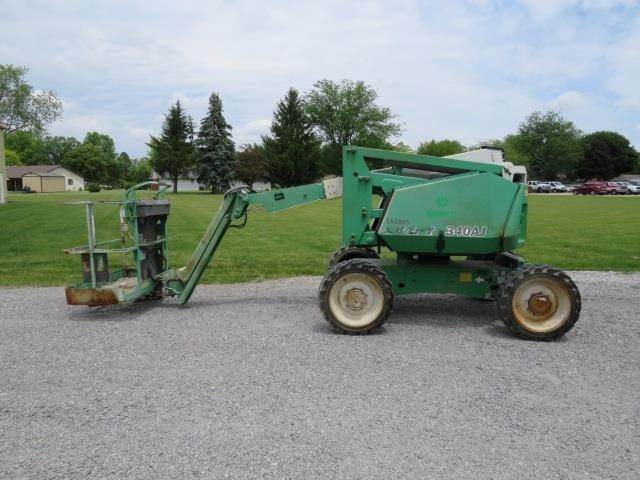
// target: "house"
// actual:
[[190, 183], [43, 178]]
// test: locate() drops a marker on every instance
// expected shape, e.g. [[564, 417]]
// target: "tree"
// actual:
[[12, 158], [172, 153], [346, 113], [551, 142], [606, 155], [292, 150], [401, 147], [90, 162], [30, 146], [22, 108], [250, 165], [103, 142], [440, 148], [215, 149], [57, 147], [139, 171], [510, 152]]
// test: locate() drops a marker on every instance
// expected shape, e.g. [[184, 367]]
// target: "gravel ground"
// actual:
[[247, 381]]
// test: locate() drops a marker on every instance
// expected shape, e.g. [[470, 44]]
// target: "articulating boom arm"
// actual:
[[235, 206]]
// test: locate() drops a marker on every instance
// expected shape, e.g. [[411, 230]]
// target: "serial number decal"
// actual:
[[466, 231]]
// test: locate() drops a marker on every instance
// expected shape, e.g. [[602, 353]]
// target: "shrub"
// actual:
[[93, 187]]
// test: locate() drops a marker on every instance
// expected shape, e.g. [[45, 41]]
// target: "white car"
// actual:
[[539, 187], [633, 186], [558, 187]]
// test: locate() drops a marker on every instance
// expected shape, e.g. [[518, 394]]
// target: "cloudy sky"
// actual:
[[470, 69]]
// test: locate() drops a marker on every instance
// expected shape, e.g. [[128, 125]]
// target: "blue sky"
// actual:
[[470, 70]]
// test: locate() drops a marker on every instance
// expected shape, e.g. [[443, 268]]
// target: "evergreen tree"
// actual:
[[172, 153], [293, 150], [216, 151]]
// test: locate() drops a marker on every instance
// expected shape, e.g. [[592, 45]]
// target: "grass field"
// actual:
[[574, 233]]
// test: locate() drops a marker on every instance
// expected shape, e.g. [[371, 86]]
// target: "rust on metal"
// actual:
[[540, 304], [90, 296]]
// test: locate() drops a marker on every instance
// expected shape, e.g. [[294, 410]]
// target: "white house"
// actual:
[[191, 184]]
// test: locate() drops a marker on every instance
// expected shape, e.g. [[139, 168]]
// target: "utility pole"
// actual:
[[3, 171]]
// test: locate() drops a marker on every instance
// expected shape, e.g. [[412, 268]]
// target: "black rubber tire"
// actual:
[[348, 252], [361, 266], [508, 288]]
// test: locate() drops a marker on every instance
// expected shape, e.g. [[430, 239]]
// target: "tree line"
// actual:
[[308, 131], [304, 142]]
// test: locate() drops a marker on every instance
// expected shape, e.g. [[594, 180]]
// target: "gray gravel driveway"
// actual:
[[247, 381]]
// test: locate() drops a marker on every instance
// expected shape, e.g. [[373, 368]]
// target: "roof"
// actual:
[[18, 172]]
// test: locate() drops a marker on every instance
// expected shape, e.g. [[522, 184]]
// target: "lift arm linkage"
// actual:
[[183, 281]]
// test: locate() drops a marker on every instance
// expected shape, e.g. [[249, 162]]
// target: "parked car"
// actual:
[[558, 187], [592, 187], [539, 187], [617, 188], [632, 187]]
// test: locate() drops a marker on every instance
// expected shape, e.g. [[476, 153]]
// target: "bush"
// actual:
[[93, 187]]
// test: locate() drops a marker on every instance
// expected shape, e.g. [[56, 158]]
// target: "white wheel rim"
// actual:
[[356, 299], [541, 304]]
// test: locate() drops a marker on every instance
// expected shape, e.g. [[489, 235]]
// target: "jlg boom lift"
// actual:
[[452, 225]]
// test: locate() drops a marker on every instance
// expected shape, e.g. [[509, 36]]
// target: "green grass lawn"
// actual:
[[573, 233]]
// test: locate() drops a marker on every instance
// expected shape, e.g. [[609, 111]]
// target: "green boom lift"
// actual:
[[451, 223]]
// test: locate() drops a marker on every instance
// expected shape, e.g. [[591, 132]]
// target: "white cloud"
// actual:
[[570, 100], [471, 70]]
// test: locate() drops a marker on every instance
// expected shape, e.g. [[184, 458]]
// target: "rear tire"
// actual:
[[538, 302], [356, 297], [348, 252]]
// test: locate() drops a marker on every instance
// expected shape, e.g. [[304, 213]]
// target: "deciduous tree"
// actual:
[[102, 141], [22, 107], [347, 113], [440, 148], [551, 142], [250, 166], [90, 162], [606, 155]]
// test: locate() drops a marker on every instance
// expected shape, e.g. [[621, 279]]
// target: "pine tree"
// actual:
[[293, 150], [216, 151], [172, 153]]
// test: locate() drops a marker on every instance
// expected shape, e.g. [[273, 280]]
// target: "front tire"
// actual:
[[348, 252], [356, 297], [538, 302]]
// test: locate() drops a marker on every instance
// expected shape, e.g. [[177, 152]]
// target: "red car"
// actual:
[[594, 187]]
